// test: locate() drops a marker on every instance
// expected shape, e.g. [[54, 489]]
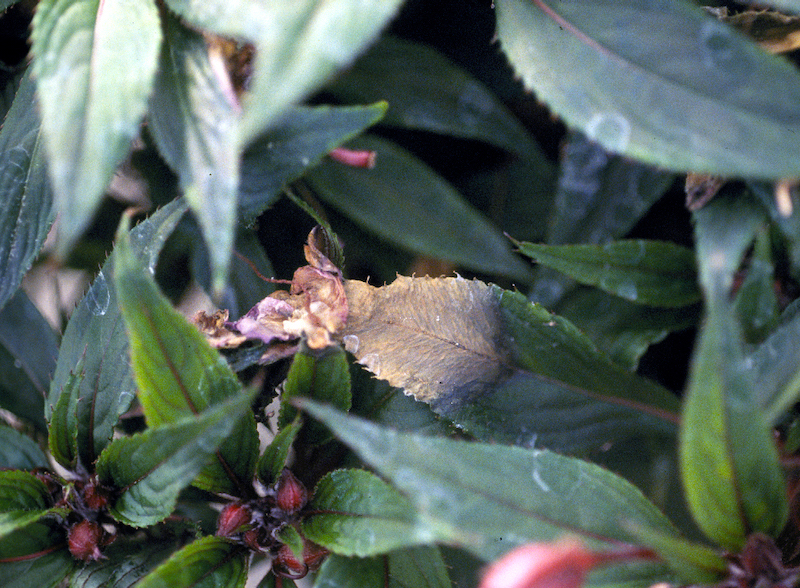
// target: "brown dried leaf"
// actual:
[[437, 338], [215, 329]]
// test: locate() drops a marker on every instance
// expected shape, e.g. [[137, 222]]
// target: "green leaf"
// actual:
[[96, 335], [418, 566], [500, 367], [62, 437], [775, 368], [323, 376], [405, 202], [732, 479], [35, 557], [655, 273], [27, 212], [427, 91], [662, 82], [421, 567], [178, 374], [210, 562], [274, 458], [351, 572], [193, 119], [756, 304], [28, 347], [22, 491], [153, 467], [19, 452], [354, 512], [95, 64], [490, 498], [301, 138]]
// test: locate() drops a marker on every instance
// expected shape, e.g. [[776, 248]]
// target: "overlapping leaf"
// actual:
[[500, 367], [27, 212], [62, 433], [19, 452], [107, 389], [23, 500], [658, 81], [210, 562], [82, 49], [35, 556], [178, 374], [273, 460], [354, 512]]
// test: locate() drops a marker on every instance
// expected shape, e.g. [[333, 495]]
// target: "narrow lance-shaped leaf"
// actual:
[[152, 467], [210, 562], [274, 458], [647, 272], [62, 437], [178, 374], [696, 96], [733, 482], [490, 498], [95, 64], [193, 118], [96, 336], [354, 512], [502, 368], [27, 212]]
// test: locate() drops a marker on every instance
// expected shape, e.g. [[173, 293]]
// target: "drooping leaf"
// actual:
[[427, 91], [300, 139], [35, 556], [210, 562], [273, 460], [732, 479], [96, 335], [502, 368], [468, 493], [323, 376], [30, 347], [153, 467], [62, 433], [95, 65], [354, 512], [685, 100], [178, 374], [655, 273], [19, 452], [193, 117], [405, 202], [27, 212]]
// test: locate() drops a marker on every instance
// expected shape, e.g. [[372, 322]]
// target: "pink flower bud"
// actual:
[[365, 159], [84, 539], [286, 564], [542, 565], [232, 518], [290, 493]]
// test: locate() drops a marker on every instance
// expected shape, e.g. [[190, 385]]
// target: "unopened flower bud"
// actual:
[[313, 555], [286, 564], [364, 159], [290, 493], [232, 518], [84, 539], [564, 564], [95, 496]]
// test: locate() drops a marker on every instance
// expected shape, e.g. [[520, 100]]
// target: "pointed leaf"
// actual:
[[427, 91], [178, 374], [301, 138], [193, 120], [153, 467], [324, 377], [490, 498], [95, 64], [733, 482], [407, 203], [28, 341], [96, 335], [27, 211], [655, 273], [35, 557], [776, 370], [62, 434], [498, 366], [682, 100], [274, 458], [19, 452], [354, 512], [756, 303], [210, 562]]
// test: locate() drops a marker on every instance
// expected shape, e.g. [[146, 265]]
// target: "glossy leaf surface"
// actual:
[[354, 512], [662, 82], [27, 211], [152, 467], [178, 374], [88, 117], [193, 118], [467, 493], [405, 202], [210, 562], [655, 273], [500, 367], [107, 389]]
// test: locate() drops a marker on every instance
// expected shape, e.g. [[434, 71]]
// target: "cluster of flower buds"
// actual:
[[287, 565]]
